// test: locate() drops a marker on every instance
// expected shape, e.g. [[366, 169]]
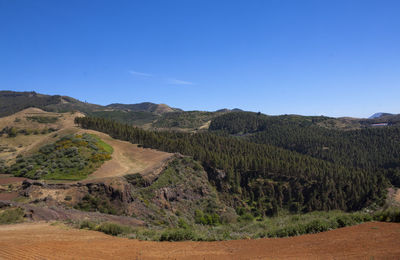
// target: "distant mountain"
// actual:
[[144, 107], [226, 110], [380, 114], [12, 102]]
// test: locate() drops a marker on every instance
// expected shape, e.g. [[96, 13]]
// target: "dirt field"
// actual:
[[127, 158], [8, 179], [42, 241]]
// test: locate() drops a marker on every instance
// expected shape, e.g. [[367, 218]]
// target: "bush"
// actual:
[[179, 234], [91, 203], [388, 215], [86, 224], [246, 217], [111, 228], [211, 219], [345, 220], [316, 226], [14, 215]]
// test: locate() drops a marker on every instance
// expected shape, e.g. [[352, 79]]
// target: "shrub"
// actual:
[[111, 228], [14, 215], [388, 215], [91, 203], [86, 224], [177, 235], [211, 219], [246, 217], [316, 226], [182, 224], [345, 220]]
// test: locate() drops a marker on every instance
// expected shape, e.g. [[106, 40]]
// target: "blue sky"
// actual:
[[322, 57]]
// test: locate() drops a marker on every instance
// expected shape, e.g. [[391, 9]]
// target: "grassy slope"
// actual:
[[72, 157]]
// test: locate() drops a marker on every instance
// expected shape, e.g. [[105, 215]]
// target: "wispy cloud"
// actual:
[[179, 82], [141, 74]]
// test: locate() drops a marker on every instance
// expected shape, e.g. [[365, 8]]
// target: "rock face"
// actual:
[[116, 191], [181, 187]]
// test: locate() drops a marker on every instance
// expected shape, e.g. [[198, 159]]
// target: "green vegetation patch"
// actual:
[[14, 131], [43, 119], [11, 215], [284, 225], [73, 157], [91, 203]]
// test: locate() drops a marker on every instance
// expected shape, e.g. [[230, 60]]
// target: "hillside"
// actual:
[[12, 102], [160, 116], [35, 128], [196, 175], [144, 107]]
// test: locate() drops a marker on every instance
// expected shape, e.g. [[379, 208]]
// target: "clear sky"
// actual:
[[321, 57]]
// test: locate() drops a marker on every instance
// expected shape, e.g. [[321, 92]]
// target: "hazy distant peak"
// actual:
[[380, 114]]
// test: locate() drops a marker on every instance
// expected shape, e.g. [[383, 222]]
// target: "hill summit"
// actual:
[[380, 114], [144, 107]]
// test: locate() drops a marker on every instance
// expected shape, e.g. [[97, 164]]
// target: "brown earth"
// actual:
[[9, 179], [8, 195], [374, 240], [128, 158]]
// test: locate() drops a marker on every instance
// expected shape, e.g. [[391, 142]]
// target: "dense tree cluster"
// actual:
[[373, 149], [184, 119], [260, 177], [250, 122]]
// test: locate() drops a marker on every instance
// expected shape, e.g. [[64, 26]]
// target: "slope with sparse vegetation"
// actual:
[[72, 157]]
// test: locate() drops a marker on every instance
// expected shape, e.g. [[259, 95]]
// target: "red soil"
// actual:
[[6, 179], [374, 240]]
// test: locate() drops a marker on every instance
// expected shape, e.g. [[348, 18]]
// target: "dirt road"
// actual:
[[373, 240]]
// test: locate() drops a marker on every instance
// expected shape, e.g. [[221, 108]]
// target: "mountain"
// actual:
[[12, 102], [380, 114], [144, 107], [226, 110], [378, 118]]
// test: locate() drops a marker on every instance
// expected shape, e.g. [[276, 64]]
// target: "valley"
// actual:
[[151, 172]]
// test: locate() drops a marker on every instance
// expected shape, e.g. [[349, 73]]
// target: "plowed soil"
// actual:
[[373, 240]]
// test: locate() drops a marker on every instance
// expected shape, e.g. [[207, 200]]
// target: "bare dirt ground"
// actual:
[[128, 158], [9, 179], [374, 240]]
